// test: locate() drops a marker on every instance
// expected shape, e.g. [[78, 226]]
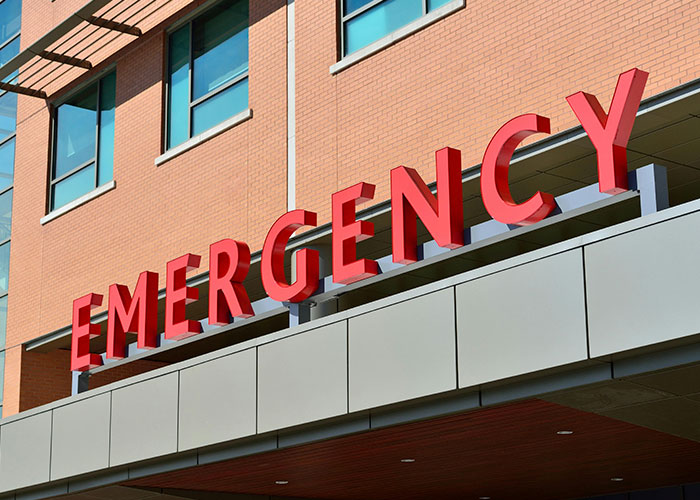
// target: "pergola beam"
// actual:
[[64, 59], [114, 25], [18, 89]]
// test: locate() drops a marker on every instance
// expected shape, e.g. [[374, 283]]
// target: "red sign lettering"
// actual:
[[229, 262], [411, 198], [137, 314], [442, 214], [494, 174], [178, 295], [610, 133], [347, 232], [272, 260], [81, 358]]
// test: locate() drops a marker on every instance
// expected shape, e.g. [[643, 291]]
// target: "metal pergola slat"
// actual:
[[83, 18]]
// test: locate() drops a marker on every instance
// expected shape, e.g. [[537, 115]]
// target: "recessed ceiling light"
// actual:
[[281, 482], [617, 479], [564, 433], [408, 460], [484, 498]]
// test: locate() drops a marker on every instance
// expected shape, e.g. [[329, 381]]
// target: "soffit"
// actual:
[[509, 451]]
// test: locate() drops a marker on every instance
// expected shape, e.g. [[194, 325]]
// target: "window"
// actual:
[[83, 142], [10, 17], [366, 21], [207, 71]]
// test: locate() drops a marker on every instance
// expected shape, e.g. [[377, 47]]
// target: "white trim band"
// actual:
[[204, 136], [78, 201], [397, 35]]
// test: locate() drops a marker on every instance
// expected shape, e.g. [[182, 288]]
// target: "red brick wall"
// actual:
[[45, 377], [123, 371], [453, 83]]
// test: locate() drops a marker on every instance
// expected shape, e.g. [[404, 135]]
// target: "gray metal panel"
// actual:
[[144, 420], [303, 378], [25, 450], [80, 438], [403, 351], [218, 400], [642, 286], [522, 320]]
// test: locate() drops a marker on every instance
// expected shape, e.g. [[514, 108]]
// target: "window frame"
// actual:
[[96, 79], [188, 21], [4, 142], [344, 18], [9, 40], [4, 294]]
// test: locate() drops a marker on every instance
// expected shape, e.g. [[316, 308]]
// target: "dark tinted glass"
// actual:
[[8, 114], [7, 163], [5, 214], [76, 123], [219, 46], [4, 266], [105, 161], [178, 86], [10, 18], [352, 5]]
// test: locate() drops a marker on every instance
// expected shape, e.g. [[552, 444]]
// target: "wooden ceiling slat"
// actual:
[[510, 451]]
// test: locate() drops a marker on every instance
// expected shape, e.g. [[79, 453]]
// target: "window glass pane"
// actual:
[[8, 114], [353, 5], [76, 130], [3, 321], [434, 4], [219, 46], [178, 94], [10, 18], [379, 21], [105, 162], [5, 214], [8, 52], [223, 105], [7, 163], [73, 187], [2, 375], [4, 266]]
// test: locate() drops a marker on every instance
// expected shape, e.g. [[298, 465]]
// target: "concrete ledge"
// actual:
[[397, 35], [204, 136], [78, 201]]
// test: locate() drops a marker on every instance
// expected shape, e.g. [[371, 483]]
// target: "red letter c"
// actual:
[[494, 174]]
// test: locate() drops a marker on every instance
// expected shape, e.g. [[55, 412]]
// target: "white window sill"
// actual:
[[399, 34], [204, 136], [78, 201]]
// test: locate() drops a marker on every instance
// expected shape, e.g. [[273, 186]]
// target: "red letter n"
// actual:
[[411, 198]]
